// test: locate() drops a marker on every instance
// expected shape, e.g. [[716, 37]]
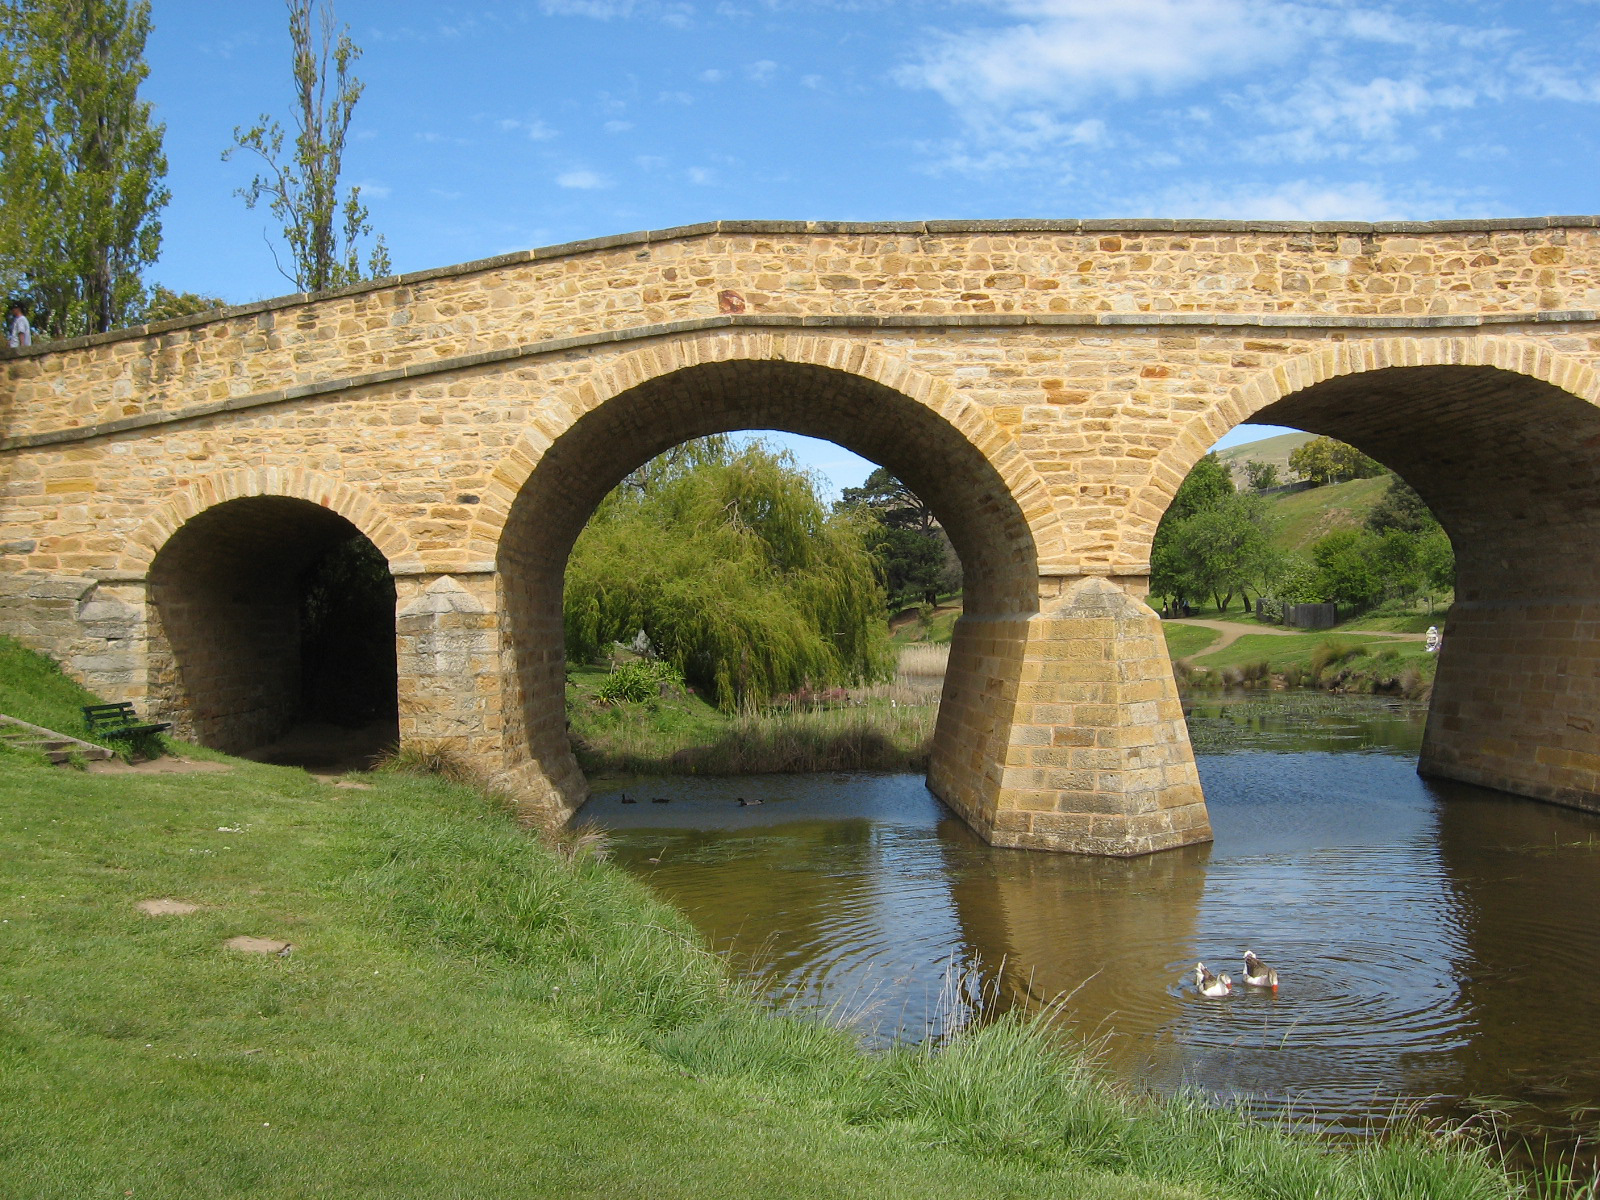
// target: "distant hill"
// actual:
[[1305, 516], [1274, 450]]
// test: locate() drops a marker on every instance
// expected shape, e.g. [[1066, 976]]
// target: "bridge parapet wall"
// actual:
[[793, 271]]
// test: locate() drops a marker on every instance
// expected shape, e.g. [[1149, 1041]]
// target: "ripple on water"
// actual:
[[1415, 925]]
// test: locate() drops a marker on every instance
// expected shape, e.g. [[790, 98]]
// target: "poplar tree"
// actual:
[[323, 230], [81, 163]]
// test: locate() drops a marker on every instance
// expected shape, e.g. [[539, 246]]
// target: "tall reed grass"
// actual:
[[876, 738], [885, 727]]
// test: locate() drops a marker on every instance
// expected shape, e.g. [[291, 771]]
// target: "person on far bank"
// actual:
[[18, 331]]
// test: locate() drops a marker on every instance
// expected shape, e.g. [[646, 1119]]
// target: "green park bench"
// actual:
[[119, 721]]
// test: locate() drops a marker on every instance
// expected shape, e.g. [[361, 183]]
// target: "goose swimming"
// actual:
[[1257, 973], [1211, 984]]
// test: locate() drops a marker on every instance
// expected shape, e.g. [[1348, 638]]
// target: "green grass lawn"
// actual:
[[682, 734], [470, 1012], [681, 718], [462, 1015], [33, 683], [1184, 640], [1304, 517], [1297, 649], [1410, 622], [1413, 620], [938, 628]]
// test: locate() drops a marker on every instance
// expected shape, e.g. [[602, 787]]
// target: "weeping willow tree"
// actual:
[[734, 569]]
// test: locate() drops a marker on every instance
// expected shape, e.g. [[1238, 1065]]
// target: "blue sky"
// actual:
[[491, 127]]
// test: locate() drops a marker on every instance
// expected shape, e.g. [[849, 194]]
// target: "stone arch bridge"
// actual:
[[1044, 385]]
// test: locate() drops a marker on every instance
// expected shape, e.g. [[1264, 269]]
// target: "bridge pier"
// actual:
[[1516, 700], [1062, 730], [447, 654]]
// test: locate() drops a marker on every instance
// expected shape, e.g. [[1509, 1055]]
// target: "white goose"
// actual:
[[1211, 984], [1257, 973]]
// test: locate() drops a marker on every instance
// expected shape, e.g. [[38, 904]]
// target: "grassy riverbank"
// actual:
[[884, 728], [1355, 656], [469, 1012]]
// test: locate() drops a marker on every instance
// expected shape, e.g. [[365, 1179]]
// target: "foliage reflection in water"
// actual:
[[1435, 939]]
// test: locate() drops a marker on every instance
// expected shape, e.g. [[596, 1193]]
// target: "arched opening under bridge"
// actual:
[[981, 764], [269, 613], [1510, 465]]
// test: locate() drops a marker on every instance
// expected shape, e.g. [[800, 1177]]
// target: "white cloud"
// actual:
[[536, 130], [1549, 81], [1021, 144], [680, 15], [1045, 86], [1296, 200], [375, 191], [1332, 116], [229, 46], [582, 179], [703, 176], [1383, 26], [599, 10], [650, 162], [1068, 51], [761, 72], [618, 126], [713, 76]]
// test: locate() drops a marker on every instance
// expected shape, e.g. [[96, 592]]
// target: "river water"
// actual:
[[1436, 942]]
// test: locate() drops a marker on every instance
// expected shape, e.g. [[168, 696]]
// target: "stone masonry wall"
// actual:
[[1047, 387], [795, 270]]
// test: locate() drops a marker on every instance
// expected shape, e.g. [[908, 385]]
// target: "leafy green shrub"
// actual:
[[638, 682]]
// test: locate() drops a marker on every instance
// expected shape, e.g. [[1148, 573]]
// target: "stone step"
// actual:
[[59, 748]]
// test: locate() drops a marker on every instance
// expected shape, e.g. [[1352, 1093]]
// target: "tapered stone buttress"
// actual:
[[1516, 703], [447, 653], [1062, 730]]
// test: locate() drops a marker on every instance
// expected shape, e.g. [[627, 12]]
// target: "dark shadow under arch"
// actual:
[[950, 474], [234, 659], [1510, 465]]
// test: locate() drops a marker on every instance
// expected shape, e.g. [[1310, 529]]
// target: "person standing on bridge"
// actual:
[[18, 331]]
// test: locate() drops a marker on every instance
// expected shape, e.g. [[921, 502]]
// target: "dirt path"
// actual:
[[1232, 631]]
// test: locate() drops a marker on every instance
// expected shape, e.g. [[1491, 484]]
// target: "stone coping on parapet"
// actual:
[[439, 366], [811, 228]]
